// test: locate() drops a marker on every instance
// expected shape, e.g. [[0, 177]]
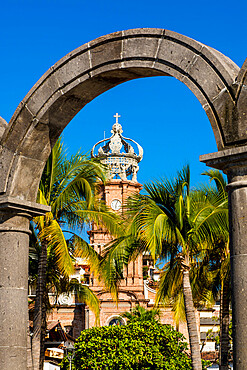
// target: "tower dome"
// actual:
[[118, 154]]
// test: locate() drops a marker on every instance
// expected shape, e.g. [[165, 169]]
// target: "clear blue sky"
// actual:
[[160, 113]]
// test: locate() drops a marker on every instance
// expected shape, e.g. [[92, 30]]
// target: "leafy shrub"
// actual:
[[136, 346]]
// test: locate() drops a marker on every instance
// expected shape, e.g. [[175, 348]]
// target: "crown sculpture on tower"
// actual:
[[121, 164]]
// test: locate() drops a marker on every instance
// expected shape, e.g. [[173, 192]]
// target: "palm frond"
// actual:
[[84, 250], [116, 256], [55, 238], [86, 295], [101, 216]]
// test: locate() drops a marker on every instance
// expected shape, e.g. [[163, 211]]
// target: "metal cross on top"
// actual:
[[117, 117]]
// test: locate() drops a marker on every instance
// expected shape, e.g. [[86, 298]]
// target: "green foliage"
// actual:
[[138, 345], [69, 186], [206, 364], [141, 314]]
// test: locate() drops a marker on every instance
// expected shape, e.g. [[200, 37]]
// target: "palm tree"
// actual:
[[141, 314], [171, 290], [175, 223], [69, 188], [58, 283]]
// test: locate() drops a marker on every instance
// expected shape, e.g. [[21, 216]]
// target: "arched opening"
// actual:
[[61, 93], [116, 321]]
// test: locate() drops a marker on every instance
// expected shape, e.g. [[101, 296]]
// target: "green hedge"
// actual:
[[147, 345]]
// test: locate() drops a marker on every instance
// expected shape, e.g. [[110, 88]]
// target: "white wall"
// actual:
[[48, 366]]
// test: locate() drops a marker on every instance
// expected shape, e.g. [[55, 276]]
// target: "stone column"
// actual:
[[15, 216], [233, 162]]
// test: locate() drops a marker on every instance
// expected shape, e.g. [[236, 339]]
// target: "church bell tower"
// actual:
[[121, 156]]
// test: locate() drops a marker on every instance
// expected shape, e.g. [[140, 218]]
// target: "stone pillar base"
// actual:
[[15, 218]]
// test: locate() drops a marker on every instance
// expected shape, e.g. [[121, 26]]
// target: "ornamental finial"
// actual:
[[117, 116], [121, 164], [116, 128]]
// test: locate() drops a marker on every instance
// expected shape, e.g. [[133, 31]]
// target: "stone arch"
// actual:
[[58, 96], [96, 67]]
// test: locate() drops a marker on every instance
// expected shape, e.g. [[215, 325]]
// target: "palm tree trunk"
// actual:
[[43, 332], [39, 312], [224, 323], [191, 322]]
